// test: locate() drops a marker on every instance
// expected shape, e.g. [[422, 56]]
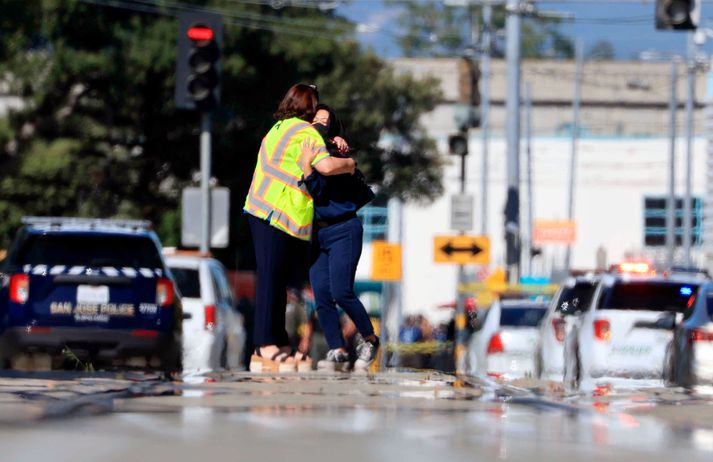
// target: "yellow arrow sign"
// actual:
[[463, 250]]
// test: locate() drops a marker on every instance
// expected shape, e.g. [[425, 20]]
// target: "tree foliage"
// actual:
[[601, 50], [433, 28], [100, 135]]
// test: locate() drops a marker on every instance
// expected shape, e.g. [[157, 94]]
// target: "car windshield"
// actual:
[[521, 316], [649, 296], [575, 298], [188, 282], [89, 250]]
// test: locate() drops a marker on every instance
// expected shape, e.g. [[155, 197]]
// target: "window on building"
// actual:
[[375, 220], [655, 221]]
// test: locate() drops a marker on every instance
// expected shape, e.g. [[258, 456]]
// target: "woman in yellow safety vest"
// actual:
[[280, 213]]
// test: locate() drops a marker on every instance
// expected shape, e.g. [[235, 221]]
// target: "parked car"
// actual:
[[690, 356], [213, 329], [88, 292], [504, 342], [628, 326], [572, 296]]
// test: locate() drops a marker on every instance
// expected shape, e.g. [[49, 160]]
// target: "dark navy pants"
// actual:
[[335, 253], [278, 257]]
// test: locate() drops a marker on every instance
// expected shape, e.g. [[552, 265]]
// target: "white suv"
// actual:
[[213, 330]]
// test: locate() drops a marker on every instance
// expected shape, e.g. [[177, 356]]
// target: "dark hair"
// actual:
[[334, 126], [300, 101]]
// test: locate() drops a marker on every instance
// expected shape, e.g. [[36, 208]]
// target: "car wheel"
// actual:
[[171, 358], [224, 356], [538, 365], [669, 375], [572, 371], [686, 377]]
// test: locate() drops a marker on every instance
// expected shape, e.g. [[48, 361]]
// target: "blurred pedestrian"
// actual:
[[280, 213], [336, 249]]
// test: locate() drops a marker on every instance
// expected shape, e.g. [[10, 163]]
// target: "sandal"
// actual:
[[279, 362], [304, 362]]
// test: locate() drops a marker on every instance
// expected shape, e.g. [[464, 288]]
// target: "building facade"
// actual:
[[622, 166]]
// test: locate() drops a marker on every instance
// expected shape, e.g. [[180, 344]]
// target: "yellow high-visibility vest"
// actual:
[[275, 192]]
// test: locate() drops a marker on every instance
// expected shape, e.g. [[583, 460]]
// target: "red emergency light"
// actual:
[[200, 33]]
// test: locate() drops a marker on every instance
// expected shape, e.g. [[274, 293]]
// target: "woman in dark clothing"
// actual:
[[337, 245]]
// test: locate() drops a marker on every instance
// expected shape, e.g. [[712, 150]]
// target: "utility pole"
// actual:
[[528, 171], [513, 24], [205, 182], [671, 200], [687, 205], [485, 115], [575, 139]]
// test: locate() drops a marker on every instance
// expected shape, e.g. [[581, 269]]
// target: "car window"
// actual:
[[709, 305], [521, 317], [188, 281], [89, 250], [650, 296], [575, 299], [221, 283]]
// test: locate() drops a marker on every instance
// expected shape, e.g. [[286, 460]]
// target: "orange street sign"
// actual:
[[554, 232], [464, 250], [385, 261]]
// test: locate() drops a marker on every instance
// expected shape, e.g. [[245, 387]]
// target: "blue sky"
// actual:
[[628, 26]]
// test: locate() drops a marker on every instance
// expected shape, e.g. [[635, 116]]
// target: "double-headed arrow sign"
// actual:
[[461, 249]]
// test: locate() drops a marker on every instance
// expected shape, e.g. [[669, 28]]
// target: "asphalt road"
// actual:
[[396, 416]]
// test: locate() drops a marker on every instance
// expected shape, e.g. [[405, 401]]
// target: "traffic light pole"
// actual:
[[485, 116], [528, 172], [460, 317], [205, 182], [576, 101], [687, 202], [671, 200], [513, 26]]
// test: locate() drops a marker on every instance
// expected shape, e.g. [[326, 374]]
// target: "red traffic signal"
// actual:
[[198, 63], [200, 33]]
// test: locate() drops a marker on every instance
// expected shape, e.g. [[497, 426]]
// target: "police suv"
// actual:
[[88, 291], [690, 357], [627, 328]]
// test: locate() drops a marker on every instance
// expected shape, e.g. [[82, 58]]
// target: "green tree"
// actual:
[[433, 28], [100, 135], [601, 50]]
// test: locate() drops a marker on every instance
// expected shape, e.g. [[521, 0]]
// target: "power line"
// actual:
[[291, 26]]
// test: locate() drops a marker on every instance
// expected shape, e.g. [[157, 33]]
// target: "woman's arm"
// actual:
[[335, 166], [327, 166]]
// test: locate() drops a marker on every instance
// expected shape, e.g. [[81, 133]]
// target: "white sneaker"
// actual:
[[336, 360], [366, 354]]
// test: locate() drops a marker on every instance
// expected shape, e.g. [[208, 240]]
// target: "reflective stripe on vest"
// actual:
[[267, 187]]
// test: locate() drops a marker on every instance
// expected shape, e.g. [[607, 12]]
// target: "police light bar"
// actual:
[[635, 267], [90, 223]]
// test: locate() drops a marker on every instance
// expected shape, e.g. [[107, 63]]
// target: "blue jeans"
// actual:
[[336, 252]]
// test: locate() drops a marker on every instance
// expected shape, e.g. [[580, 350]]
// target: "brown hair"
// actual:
[[300, 101]]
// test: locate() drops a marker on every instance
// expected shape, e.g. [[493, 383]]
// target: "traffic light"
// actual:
[[512, 227], [677, 14], [458, 144], [200, 37]]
